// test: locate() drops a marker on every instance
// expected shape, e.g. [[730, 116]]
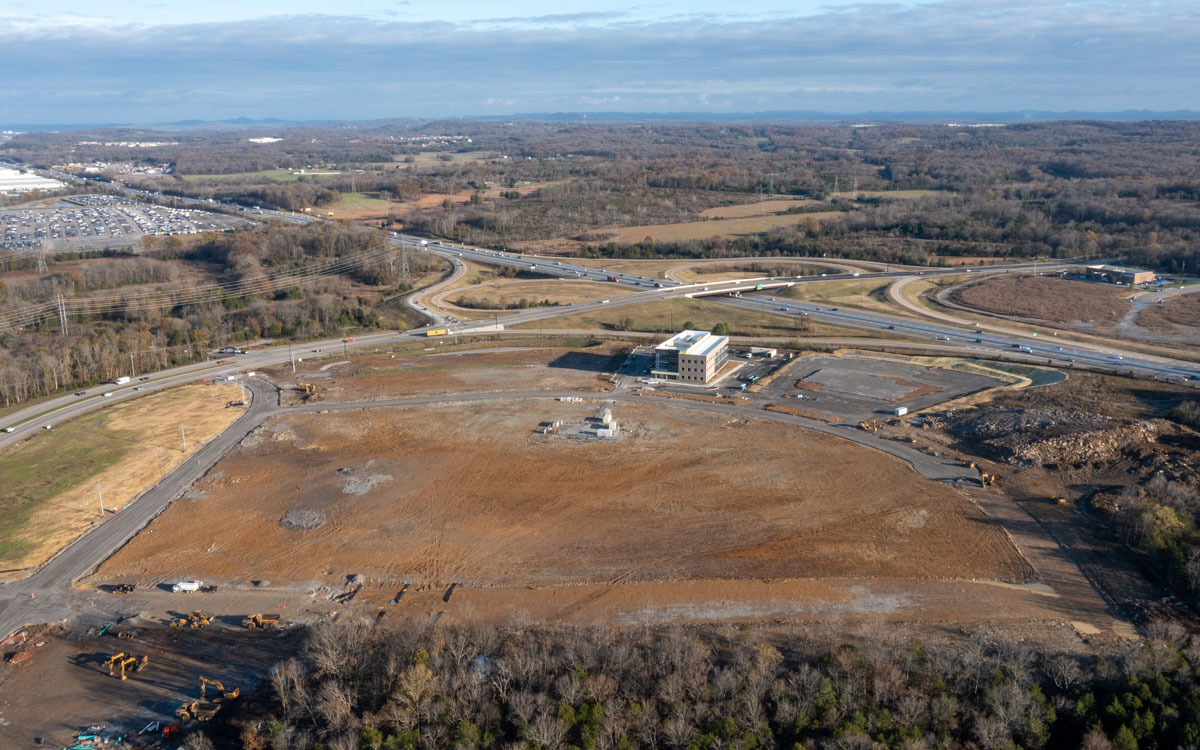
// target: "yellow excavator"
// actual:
[[196, 619], [871, 425], [223, 694], [986, 479], [125, 662]]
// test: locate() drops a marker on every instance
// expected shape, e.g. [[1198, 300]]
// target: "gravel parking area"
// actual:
[[869, 387], [101, 222]]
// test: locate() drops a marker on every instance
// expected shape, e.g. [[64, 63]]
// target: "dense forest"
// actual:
[[178, 300], [356, 686]]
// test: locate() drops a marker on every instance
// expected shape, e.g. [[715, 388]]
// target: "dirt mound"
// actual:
[[1046, 436], [302, 519]]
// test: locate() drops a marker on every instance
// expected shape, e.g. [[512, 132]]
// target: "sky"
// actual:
[[134, 61]]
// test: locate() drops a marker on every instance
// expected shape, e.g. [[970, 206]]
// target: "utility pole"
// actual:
[[183, 436], [100, 492], [62, 314], [293, 358], [132, 369]]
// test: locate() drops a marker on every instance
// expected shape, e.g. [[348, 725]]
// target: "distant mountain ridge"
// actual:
[[796, 116]]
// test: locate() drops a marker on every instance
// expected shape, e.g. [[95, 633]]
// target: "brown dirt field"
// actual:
[[153, 422], [1179, 314], [373, 377], [1047, 298], [803, 413], [466, 494]]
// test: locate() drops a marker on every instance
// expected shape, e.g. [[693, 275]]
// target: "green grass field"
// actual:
[[672, 315], [41, 469], [278, 175]]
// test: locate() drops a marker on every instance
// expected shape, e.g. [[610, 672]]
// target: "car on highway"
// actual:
[[81, 393], [943, 338], [108, 394], [139, 388], [144, 378], [347, 341], [9, 429]]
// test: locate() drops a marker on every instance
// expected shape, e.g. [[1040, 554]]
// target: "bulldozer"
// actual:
[[307, 389], [258, 620], [870, 425], [195, 619], [986, 479], [125, 663], [197, 710], [225, 695]]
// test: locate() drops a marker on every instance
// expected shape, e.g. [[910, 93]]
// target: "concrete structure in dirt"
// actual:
[[1120, 275], [691, 357]]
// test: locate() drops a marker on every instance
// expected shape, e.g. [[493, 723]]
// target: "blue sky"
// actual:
[[65, 61]]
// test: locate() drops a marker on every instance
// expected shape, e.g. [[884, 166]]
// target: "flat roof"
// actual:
[[1119, 269], [698, 343]]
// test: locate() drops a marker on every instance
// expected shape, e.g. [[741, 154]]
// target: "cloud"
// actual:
[[961, 54]]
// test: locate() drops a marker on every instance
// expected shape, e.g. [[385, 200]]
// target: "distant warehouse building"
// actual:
[[1119, 275], [691, 357]]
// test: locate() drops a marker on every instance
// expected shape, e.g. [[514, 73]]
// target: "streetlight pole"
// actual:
[[132, 369], [293, 358]]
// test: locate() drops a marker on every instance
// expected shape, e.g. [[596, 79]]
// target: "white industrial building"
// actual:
[[14, 181], [691, 357]]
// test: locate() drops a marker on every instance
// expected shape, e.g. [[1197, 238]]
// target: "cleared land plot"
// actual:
[[699, 230], [871, 387], [773, 206], [50, 495], [1179, 314], [465, 494], [358, 205], [1047, 298], [674, 314], [380, 376], [499, 295]]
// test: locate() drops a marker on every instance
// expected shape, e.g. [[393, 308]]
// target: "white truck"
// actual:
[[121, 380], [186, 587]]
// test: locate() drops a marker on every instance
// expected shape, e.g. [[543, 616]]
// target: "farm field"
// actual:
[[1046, 298], [50, 495], [278, 175], [697, 230], [464, 494], [757, 208]]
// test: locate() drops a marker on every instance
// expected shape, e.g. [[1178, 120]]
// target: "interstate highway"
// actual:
[[973, 340]]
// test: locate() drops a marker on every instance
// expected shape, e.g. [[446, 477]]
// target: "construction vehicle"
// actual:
[[307, 389], [124, 588], [225, 695], [125, 663], [195, 619], [197, 711], [986, 479], [1059, 499], [265, 622], [870, 425], [436, 332]]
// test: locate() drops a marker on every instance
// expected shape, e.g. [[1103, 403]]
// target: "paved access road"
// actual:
[[50, 585]]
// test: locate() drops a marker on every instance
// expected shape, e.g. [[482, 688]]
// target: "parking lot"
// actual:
[[869, 387], [91, 222]]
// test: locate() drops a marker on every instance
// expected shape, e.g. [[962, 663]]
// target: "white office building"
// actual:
[[691, 357]]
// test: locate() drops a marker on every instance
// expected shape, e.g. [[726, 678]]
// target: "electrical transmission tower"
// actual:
[[404, 274]]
